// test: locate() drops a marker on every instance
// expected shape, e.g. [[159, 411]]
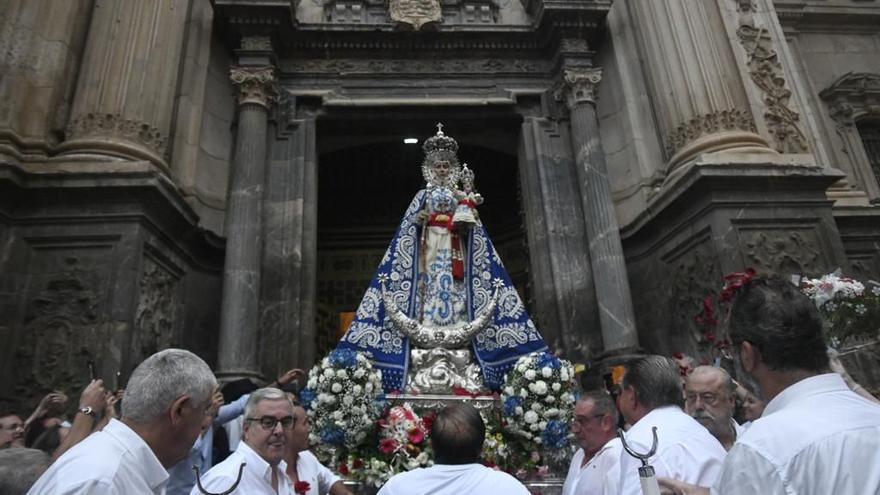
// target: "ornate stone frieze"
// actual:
[[580, 85], [765, 70], [784, 251], [694, 274], [456, 66], [256, 43], [117, 126], [415, 13], [156, 310], [855, 95], [256, 85], [725, 120]]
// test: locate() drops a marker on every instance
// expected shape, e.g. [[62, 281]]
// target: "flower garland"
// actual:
[[851, 309], [344, 398], [537, 400]]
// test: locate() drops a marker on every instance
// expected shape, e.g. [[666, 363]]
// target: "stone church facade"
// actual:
[[222, 175]]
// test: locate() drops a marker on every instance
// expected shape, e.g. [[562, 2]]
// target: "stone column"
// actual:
[[606, 252], [125, 95], [694, 80], [239, 318]]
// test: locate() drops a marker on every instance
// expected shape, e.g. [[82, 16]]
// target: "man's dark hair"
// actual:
[[781, 321], [457, 435], [656, 380], [49, 440]]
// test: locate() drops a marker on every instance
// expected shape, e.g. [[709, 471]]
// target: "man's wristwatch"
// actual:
[[88, 411]]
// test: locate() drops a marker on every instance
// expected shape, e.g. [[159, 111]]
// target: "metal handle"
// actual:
[[227, 492], [642, 457]]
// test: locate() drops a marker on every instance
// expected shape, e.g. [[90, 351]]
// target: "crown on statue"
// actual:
[[467, 175], [440, 143]]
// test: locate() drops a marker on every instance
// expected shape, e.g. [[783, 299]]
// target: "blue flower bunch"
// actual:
[[333, 435], [555, 435], [343, 358], [511, 403], [306, 396], [547, 360]]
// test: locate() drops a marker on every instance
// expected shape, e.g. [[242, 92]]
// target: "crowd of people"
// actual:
[[792, 426]]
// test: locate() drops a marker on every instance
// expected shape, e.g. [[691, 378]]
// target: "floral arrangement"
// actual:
[[344, 399], [404, 435], [538, 402], [851, 309]]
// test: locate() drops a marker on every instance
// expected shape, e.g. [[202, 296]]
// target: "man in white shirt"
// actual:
[[457, 437], [710, 398], [163, 409], [595, 429], [303, 468], [816, 436], [651, 395], [267, 417]]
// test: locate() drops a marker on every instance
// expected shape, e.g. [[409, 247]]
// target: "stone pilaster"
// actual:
[[694, 81], [125, 95], [239, 320], [603, 236]]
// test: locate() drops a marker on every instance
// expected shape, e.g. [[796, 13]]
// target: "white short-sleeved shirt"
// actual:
[[256, 479], [686, 451], [453, 479], [589, 479], [310, 470], [816, 437], [113, 461]]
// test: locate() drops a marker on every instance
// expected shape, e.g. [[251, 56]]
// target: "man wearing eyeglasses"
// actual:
[[594, 426], [11, 431], [267, 417], [710, 399]]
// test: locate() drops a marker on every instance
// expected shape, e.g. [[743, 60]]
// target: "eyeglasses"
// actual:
[[583, 420], [268, 422]]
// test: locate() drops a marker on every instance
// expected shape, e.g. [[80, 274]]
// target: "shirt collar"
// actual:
[[814, 385], [153, 471], [257, 465]]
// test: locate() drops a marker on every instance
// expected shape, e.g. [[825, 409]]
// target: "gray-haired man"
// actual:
[[163, 409]]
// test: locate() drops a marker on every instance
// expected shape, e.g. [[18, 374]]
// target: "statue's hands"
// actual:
[[422, 217]]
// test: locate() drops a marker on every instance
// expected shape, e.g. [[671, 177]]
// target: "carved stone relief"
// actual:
[[694, 274], [415, 13], [426, 67], [766, 73], [256, 43], [784, 251], [155, 315], [62, 332], [725, 120], [113, 125]]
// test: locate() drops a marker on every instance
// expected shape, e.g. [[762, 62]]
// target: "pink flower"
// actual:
[[416, 435]]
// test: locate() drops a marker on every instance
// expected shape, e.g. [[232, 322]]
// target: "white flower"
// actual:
[[546, 372], [336, 388], [542, 425], [529, 374], [508, 391], [359, 373], [537, 407], [523, 393], [331, 399], [337, 415], [312, 384], [329, 373], [531, 417], [347, 400], [356, 389], [550, 399], [368, 387], [556, 386], [563, 374], [540, 387], [534, 427], [341, 374], [551, 413], [538, 439], [518, 410]]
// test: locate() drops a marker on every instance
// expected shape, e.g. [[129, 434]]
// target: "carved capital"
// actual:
[[256, 85], [580, 86]]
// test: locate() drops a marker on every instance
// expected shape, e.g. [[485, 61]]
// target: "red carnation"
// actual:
[[416, 435], [343, 469], [357, 463], [388, 445], [428, 421], [301, 487]]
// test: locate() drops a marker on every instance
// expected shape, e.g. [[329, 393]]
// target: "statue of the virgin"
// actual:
[[441, 311]]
